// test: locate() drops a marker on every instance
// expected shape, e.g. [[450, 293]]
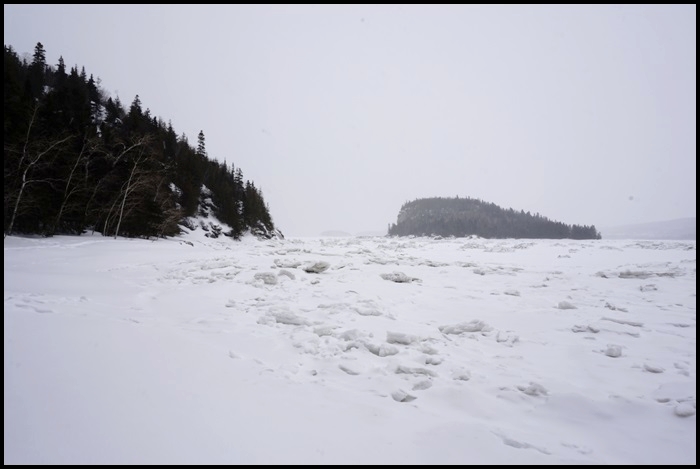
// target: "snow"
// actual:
[[199, 350]]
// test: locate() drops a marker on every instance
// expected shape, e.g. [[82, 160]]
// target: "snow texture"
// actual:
[[200, 350]]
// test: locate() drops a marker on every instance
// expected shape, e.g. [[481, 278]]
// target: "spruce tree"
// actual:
[[37, 71], [201, 150]]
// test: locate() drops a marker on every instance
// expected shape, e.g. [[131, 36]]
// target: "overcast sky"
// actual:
[[340, 114]]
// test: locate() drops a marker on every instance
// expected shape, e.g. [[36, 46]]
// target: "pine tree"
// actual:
[[61, 72], [135, 109], [37, 71], [201, 150], [17, 104], [39, 58]]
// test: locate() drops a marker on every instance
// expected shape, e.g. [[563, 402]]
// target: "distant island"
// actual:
[[460, 217]]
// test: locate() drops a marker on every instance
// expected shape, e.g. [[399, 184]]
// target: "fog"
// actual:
[[340, 114]]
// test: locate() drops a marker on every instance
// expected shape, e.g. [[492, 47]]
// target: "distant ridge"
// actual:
[[345, 234], [370, 233], [679, 229], [335, 234]]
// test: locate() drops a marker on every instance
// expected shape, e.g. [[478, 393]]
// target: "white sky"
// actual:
[[585, 114], [134, 351]]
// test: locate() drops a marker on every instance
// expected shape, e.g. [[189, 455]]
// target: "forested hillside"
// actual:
[[76, 159]]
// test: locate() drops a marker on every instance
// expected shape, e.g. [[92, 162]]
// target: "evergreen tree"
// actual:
[[135, 109], [37, 71], [201, 150], [17, 103], [61, 72]]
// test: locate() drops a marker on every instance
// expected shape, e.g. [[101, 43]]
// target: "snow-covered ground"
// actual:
[[349, 350]]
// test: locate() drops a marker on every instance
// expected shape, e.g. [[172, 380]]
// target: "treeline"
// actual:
[[78, 160], [466, 216]]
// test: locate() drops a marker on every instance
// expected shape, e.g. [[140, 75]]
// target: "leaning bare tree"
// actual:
[[133, 154], [130, 185], [143, 197], [72, 187], [32, 153]]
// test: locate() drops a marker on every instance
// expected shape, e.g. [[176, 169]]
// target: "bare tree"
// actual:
[[141, 188], [70, 190], [31, 154], [130, 186]]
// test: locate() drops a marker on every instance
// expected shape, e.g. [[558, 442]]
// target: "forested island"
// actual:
[[462, 217]]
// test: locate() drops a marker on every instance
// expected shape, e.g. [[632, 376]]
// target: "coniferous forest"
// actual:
[[466, 216], [77, 160]]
